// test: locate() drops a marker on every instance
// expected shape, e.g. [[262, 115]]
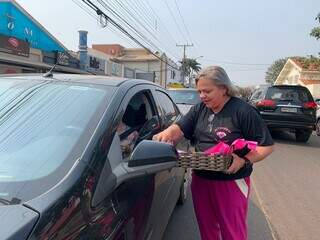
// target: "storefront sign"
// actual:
[[15, 22], [14, 46]]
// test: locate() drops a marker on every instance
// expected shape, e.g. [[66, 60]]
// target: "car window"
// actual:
[[167, 110], [137, 122], [185, 96], [288, 94], [40, 125]]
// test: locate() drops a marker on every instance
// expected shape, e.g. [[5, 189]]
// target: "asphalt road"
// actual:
[[285, 198]]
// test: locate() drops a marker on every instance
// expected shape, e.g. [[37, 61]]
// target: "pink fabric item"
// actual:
[[221, 207], [237, 144]]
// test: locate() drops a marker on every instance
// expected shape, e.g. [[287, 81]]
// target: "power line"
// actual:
[[109, 27], [183, 22], [146, 26], [172, 15], [246, 70], [138, 33], [121, 16], [124, 31], [185, 26], [236, 63], [142, 9], [160, 21]]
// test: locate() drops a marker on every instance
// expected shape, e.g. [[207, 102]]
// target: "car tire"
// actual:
[[183, 191], [318, 127], [303, 135]]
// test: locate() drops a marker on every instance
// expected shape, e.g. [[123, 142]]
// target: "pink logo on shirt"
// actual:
[[221, 134]]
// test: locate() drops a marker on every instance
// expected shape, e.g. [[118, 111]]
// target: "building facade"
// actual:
[[26, 46], [297, 71], [141, 64]]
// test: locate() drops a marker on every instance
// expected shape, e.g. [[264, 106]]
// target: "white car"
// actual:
[[185, 98]]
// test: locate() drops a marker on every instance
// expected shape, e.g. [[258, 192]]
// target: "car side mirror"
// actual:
[[151, 152]]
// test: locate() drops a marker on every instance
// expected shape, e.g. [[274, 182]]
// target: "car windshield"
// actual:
[[40, 125], [288, 94], [185, 96]]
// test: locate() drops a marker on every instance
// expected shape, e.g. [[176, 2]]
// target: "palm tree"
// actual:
[[188, 66]]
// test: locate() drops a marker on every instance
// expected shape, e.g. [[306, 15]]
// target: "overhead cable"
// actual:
[[124, 31]]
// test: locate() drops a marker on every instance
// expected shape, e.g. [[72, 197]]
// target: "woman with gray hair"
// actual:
[[221, 198]]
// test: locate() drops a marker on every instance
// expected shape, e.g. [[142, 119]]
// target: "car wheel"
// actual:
[[183, 191], [318, 127], [303, 135]]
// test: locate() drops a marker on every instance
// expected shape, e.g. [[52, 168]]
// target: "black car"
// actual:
[[287, 107], [68, 172]]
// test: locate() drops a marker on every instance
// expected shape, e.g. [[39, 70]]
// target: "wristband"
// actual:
[[247, 162]]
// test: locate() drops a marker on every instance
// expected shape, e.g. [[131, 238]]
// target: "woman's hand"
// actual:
[[171, 135], [164, 136], [237, 163]]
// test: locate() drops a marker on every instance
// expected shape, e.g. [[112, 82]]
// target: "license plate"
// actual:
[[290, 110]]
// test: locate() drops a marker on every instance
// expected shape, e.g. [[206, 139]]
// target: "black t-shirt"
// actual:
[[237, 119]]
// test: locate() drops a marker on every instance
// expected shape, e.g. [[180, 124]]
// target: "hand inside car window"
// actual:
[[128, 137]]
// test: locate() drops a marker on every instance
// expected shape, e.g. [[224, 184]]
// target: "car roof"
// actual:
[[287, 86], [77, 78]]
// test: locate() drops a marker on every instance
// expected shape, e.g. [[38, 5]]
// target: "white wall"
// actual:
[[292, 77]]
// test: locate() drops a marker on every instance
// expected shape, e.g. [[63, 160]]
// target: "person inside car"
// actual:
[[129, 126]]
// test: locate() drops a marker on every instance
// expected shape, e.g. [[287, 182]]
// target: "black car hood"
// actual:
[[17, 222]]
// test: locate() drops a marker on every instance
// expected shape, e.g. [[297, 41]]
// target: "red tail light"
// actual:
[[309, 105], [266, 103]]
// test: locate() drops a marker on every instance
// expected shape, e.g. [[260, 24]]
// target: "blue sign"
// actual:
[[16, 23]]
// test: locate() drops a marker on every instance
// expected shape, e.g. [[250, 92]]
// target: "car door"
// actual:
[[170, 180], [137, 203]]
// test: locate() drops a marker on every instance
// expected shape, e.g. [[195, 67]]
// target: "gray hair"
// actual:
[[219, 77]]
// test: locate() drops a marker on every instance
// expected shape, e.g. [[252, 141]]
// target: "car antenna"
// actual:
[[49, 74]]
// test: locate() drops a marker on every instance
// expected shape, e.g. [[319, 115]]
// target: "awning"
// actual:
[[39, 65]]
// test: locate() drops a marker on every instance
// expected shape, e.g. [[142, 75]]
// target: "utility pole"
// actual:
[[183, 69]]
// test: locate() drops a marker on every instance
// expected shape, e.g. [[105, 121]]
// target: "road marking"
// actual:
[[274, 234]]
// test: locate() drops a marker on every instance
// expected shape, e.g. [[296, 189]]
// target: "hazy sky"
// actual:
[[244, 37]]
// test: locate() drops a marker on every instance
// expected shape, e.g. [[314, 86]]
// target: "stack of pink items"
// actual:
[[225, 149]]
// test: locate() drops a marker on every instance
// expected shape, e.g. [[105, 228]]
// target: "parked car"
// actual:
[[185, 98], [287, 107], [63, 170]]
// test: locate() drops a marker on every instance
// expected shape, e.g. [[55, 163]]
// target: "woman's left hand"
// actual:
[[237, 163]]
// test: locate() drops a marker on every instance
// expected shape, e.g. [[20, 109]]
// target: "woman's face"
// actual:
[[211, 95]]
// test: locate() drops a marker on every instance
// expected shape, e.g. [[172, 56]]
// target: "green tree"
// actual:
[[189, 65], [274, 70], [315, 32], [245, 92]]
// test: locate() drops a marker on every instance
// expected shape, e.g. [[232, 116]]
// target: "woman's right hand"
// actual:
[[171, 135], [164, 136]]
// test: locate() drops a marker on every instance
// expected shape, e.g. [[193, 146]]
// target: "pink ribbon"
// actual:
[[237, 144]]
